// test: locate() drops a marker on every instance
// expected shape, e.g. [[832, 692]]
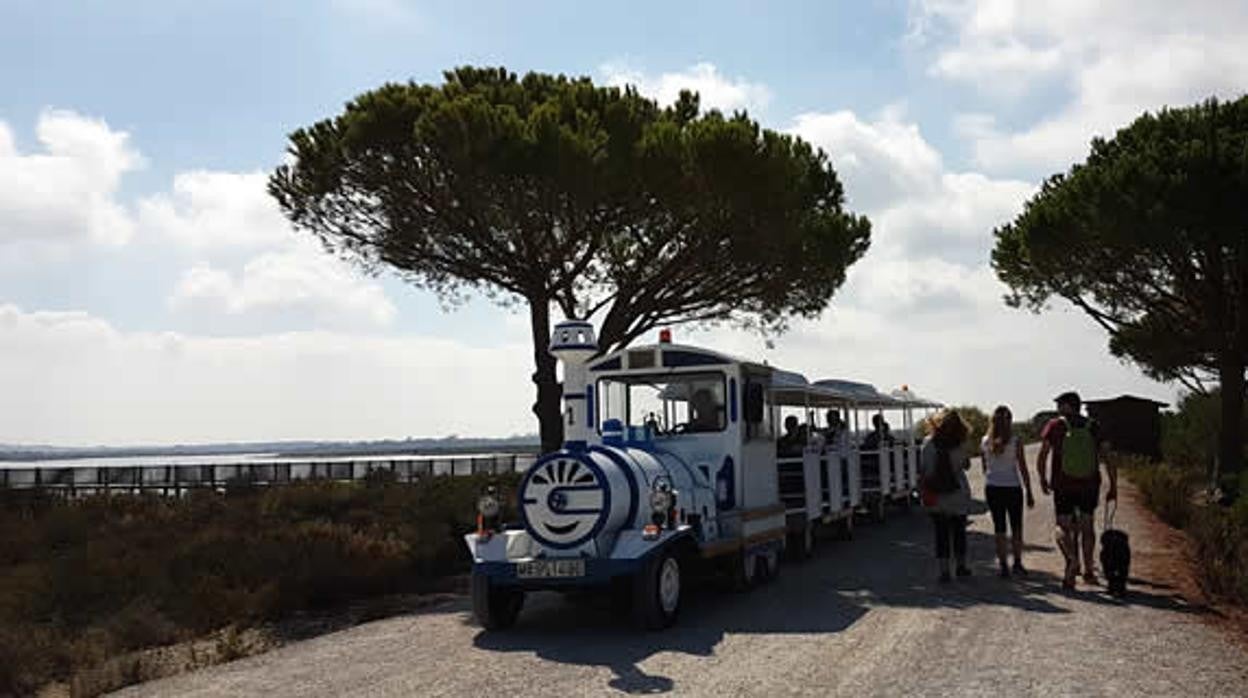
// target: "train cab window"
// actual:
[[670, 404], [612, 401]]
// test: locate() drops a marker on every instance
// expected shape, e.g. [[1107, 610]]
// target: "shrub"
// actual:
[[1166, 490], [1221, 536], [1189, 437], [90, 579], [1027, 432]]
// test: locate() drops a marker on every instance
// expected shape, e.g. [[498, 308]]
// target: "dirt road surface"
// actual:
[[863, 618]]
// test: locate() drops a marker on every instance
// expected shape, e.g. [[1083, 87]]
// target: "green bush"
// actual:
[[1027, 432], [1221, 536], [1219, 533], [1189, 437], [1189, 444], [1166, 490], [88, 579]]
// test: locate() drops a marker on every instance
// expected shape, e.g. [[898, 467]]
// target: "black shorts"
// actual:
[[1081, 501]]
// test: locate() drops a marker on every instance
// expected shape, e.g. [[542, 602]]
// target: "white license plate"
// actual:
[[550, 569]]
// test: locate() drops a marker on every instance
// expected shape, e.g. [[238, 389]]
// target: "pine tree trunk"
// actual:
[[547, 407], [1231, 438]]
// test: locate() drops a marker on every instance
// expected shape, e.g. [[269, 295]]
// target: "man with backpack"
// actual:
[[1074, 441]]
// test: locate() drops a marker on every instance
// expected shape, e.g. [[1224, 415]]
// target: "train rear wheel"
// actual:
[[769, 565], [496, 608], [801, 544], [744, 571]]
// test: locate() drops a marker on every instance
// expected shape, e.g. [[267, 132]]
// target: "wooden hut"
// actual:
[[1130, 424]]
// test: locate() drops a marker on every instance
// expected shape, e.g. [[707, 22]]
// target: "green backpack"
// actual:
[[1078, 451]]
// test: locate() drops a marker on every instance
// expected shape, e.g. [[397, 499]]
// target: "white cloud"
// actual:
[[717, 91], [880, 162], [65, 193], [918, 208], [301, 279], [208, 209], [251, 264], [73, 378], [1116, 59]]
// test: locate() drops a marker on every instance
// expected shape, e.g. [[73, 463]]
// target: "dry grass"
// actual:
[[85, 584]]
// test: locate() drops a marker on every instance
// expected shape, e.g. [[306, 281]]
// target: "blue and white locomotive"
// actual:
[[669, 464]]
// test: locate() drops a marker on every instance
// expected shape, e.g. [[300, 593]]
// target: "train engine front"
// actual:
[[605, 511]]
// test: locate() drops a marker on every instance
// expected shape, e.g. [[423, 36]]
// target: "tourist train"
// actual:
[[677, 460]]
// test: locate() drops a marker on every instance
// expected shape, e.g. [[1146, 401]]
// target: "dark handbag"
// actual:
[[941, 480]]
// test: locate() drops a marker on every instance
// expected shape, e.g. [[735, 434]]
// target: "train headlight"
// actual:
[[662, 498], [487, 504], [662, 504]]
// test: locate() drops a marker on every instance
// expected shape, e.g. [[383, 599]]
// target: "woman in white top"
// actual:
[[1005, 469]]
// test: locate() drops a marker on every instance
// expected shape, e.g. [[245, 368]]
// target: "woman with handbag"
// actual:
[[946, 491]]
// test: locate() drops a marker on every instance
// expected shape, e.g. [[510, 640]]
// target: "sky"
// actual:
[[151, 291]]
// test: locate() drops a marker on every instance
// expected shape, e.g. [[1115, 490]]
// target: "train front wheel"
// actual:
[[495, 607], [657, 591]]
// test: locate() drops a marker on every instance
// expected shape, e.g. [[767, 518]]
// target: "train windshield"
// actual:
[[670, 404]]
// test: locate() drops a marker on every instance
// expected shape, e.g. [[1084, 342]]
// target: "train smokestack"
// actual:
[[573, 343]]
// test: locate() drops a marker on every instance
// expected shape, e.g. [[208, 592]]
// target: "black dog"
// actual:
[[1115, 560]]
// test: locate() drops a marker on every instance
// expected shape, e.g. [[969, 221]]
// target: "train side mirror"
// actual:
[[753, 402]]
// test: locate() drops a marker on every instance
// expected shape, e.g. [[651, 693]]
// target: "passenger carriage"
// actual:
[[669, 465], [888, 465]]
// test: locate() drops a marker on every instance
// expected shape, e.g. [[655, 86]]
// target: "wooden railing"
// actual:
[[178, 478]]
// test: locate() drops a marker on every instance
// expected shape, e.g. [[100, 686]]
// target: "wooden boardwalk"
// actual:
[[177, 478]]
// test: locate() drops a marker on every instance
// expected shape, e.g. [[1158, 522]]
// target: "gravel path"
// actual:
[[864, 617]]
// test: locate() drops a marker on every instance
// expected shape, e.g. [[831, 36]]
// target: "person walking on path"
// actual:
[[1074, 441], [946, 490], [1005, 472]]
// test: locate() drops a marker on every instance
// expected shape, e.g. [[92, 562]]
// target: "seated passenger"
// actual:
[[792, 442], [835, 434], [875, 438]]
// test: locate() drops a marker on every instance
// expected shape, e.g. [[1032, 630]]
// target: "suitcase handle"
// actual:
[[1111, 508]]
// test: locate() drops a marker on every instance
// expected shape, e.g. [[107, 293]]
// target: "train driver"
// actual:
[[704, 411]]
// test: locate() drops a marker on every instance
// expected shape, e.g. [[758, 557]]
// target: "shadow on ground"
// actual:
[[887, 565]]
